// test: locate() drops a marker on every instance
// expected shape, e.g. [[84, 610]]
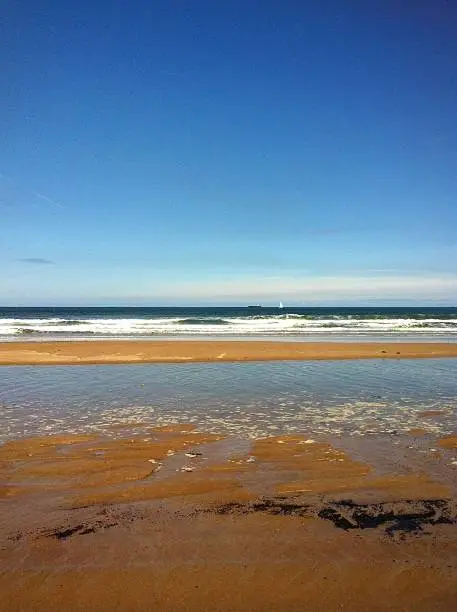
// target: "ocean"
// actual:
[[286, 323]]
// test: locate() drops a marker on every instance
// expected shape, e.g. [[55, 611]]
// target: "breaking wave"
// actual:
[[203, 321], [225, 323]]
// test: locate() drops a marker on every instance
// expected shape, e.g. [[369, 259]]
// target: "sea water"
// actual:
[[251, 400], [423, 324]]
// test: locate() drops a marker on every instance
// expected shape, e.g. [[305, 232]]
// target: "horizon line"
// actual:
[[246, 305]]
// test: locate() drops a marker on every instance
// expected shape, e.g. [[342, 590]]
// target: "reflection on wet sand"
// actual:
[[171, 518]]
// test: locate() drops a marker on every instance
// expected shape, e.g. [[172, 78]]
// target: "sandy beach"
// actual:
[[162, 519], [182, 351], [117, 514]]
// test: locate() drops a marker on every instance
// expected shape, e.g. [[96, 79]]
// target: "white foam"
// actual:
[[274, 325]]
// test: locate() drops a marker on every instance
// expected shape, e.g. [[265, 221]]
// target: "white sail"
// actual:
[[281, 305]]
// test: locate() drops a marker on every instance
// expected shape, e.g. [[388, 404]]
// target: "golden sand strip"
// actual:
[[185, 351]]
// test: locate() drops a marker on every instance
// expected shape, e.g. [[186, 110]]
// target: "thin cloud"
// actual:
[[47, 199], [37, 261], [31, 192]]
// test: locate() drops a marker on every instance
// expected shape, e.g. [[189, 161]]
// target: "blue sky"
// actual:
[[228, 152]]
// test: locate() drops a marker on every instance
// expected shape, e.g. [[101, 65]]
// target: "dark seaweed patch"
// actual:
[[407, 516], [278, 506], [105, 519], [64, 534], [400, 517]]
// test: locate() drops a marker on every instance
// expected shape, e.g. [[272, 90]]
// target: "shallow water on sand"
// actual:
[[248, 400]]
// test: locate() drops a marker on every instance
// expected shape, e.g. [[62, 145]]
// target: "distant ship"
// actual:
[[255, 306], [281, 305]]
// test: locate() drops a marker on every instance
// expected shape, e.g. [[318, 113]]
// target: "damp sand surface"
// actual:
[[182, 351], [172, 518]]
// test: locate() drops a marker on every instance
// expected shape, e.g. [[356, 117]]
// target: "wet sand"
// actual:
[[170, 518], [182, 351]]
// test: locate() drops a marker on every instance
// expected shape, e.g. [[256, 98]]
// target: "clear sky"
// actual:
[[228, 151]]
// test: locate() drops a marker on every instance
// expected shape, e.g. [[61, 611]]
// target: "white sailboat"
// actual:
[[281, 305]]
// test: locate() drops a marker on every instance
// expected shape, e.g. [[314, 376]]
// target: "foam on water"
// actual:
[[245, 400], [270, 325], [113, 322]]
